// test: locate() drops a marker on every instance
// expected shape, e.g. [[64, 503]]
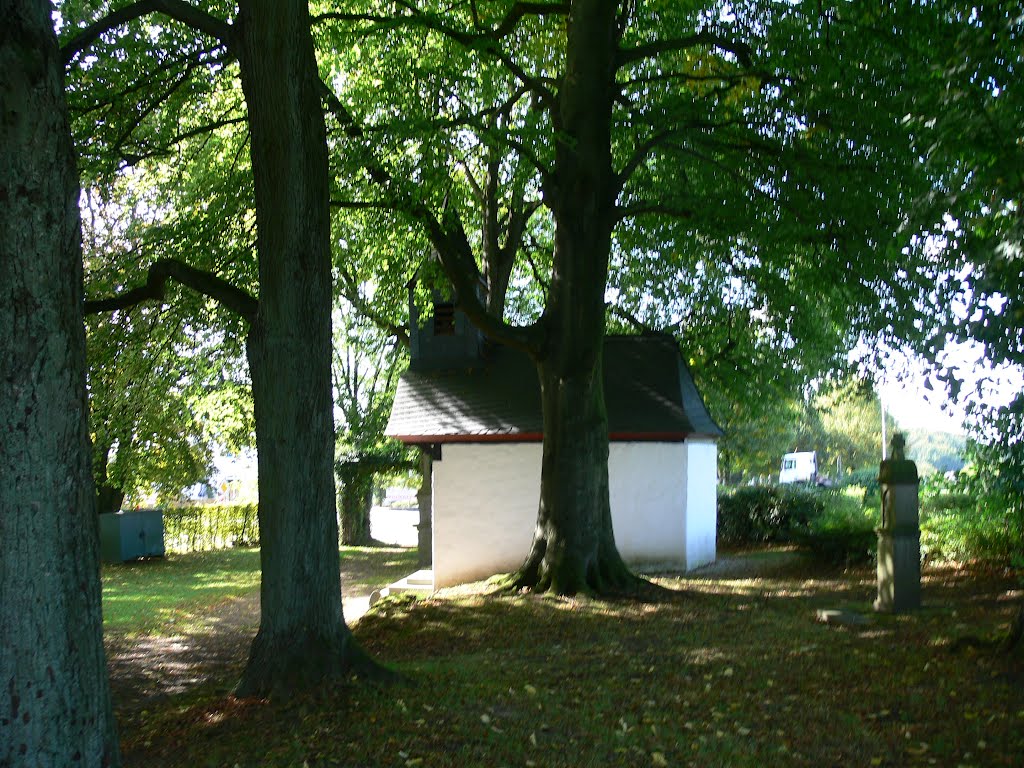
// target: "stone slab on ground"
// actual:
[[841, 617]]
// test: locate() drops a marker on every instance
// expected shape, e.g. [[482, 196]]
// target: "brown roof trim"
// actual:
[[506, 437], [537, 437]]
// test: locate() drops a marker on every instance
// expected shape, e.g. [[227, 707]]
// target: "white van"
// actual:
[[801, 467]]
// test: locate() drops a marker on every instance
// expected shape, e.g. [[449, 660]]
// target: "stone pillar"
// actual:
[[899, 535], [425, 500]]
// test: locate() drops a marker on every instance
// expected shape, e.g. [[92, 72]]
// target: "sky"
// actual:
[[917, 400]]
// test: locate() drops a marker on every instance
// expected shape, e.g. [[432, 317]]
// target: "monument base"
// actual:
[[899, 571]]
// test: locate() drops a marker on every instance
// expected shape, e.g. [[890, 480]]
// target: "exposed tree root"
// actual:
[[283, 666], [1005, 645], [602, 574]]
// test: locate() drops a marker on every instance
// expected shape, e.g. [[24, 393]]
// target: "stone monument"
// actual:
[[899, 535]]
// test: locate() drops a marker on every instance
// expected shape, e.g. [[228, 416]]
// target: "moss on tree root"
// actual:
[[283, 666]]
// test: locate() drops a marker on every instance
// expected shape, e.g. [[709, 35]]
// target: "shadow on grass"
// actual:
[[735, 672]]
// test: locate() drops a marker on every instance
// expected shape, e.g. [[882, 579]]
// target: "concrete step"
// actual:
[[421, 583]]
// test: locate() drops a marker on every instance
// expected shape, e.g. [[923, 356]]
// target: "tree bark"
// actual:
[[574, 547], [109, 497], [303, 639], [56, 698], [356, 496], [1016, 632]]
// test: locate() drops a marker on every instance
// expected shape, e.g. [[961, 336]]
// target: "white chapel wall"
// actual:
[[485, 508], [486, 495], [701, 502], [647, 485]]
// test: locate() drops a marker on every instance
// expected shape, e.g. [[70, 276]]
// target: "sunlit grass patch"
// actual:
[[162, 594], [182, 591]]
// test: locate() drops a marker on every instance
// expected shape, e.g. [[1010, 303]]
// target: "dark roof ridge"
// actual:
[[649, 393]]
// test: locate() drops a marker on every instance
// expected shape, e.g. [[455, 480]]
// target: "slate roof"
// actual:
[[649, 394]]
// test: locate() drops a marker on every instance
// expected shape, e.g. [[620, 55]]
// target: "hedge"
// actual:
[[760, 514], [210, 526], [831, 524]]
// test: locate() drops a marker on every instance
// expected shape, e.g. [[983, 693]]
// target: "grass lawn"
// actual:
[[167, 595], [715, 672]]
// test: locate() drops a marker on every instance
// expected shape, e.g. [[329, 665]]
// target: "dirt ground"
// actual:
[[149, 668]]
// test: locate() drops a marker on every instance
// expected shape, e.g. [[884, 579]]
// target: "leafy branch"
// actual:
[[742, 51], [178, 10], [483, 39], [227, 294], [447, 237]]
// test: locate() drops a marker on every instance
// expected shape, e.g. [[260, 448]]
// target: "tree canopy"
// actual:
[[754, 178]]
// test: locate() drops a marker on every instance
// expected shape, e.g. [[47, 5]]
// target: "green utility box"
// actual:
[[129, 535]]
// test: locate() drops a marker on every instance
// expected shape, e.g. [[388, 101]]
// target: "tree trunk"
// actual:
[[574, 547], [356, 503], [303, 639], [56, 697], [425, 502], [1016, 632], [108, 496]]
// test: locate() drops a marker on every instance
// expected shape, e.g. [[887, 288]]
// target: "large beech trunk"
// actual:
[[356, 498], [574, 547], [303, 638], [55, 708]]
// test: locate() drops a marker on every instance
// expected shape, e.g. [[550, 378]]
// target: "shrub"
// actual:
[[759, 514], [210, 526], [969, 519], [844, 533], [987, 531], [832, 524]]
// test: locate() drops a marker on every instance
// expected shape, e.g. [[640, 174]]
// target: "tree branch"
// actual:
[[742, 51], [652, 209], [534, 268], [448, 240], [165, 149], [484, 40], [228, 295], [360, 205], [351, 293], [516, 13], [519, 11], [633, 320], [154, 103], [179, 10], [640, 155]]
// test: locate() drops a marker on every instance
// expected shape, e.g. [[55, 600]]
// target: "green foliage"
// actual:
[[158, 119], [933, 452], [971, 520], [840, 419], [980, 533], [832, 524], [843, 533], [957, 524], [210, 526], [759, 514], [144, 435]]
